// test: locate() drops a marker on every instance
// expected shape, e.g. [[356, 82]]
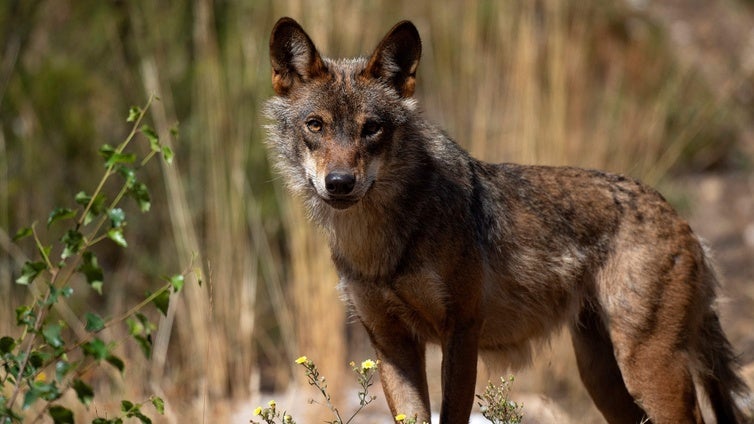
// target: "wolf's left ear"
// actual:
[[293, 56], [396, 58]]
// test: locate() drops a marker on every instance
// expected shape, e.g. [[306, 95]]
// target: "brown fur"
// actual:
[[434, 246]]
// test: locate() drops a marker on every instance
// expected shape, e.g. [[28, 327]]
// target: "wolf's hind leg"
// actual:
[[657, 371], [599, 370]]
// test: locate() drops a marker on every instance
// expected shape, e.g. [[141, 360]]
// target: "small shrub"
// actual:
[[494, 402], [45, 360]]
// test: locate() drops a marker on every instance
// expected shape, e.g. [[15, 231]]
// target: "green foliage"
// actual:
[[46, 359], [496, 405]]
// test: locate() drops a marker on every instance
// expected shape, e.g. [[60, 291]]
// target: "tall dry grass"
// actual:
[[580, 83]]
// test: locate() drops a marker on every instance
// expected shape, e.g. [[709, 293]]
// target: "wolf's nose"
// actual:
[[339, 183]]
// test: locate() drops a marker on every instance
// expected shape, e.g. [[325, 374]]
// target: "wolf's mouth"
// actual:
[[341, 203]]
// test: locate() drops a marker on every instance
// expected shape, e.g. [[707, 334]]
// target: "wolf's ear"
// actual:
[[396, 58], [293, 56]]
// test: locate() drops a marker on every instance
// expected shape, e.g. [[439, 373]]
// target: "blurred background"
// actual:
[[662, 91]]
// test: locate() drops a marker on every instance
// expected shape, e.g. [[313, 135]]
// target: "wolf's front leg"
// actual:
[[459, 361], [402, 372]]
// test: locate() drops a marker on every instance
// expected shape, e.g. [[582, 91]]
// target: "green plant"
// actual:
[[364, 375], [48, 358], [496, 406], [494, 403]]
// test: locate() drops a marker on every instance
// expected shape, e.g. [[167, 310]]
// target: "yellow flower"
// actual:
[[368, 364], [258, 411], [400, 417], [41, 377], [301, 360], [272, 404], [287, 418]]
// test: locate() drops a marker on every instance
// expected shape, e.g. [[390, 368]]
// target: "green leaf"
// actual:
[[116, 158], [62, 368], [7, 344], [133, 114], [82, 198], [96, 349], [135, 326], [61, 415], [100, 420], [117, 217], [159, 404], [145, 344], [36, 360], [83, 391], [167, 154], [177, 281], [128, 174], [55, 293], [92, 271], [24, 316], [73, 241], [60, 213], [126, 406], [116, 235], [22, 233], [40, 389], [133, 410], [141, 330], [162, 301], [106, 151], [30, 271], [113, 157], [154, 139], [141, 194], [94, 322], [51, 333], [116, 362]]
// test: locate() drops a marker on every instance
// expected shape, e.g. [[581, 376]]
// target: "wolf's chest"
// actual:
[[415, 301]]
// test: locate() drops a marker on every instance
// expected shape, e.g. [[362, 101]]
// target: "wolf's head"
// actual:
[[338, 123]]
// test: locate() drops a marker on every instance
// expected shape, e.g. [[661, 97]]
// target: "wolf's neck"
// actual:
[[366, 244]]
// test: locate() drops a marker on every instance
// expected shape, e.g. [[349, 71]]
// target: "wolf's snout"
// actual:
[[339, 183]]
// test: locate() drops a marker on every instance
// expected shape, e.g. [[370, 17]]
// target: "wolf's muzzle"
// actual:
[[339, 183]]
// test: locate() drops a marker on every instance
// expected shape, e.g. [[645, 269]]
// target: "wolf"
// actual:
[[434, 246]]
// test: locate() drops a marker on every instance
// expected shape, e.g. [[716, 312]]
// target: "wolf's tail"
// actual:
[[720, 377]]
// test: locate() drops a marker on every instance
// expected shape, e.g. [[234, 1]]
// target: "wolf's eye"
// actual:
[[370, 129], [314, 125]]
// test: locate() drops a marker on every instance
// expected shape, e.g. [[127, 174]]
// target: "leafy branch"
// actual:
[[42, 347]]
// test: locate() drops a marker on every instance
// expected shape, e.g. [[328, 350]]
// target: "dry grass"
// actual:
[[579, 83]]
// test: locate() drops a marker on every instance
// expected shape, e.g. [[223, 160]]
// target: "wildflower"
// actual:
[[41, 377], [400, 417], [368, 364], [258, 411], [287, 419], [272, 404], [301, 360]]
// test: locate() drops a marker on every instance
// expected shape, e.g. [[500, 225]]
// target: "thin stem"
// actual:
[[119, 149], [27, 352], [139, 306]]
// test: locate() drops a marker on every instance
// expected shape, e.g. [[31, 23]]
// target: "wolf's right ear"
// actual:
[[293, 56], [396, 58]]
